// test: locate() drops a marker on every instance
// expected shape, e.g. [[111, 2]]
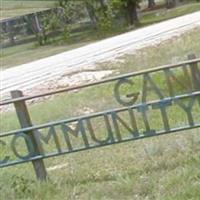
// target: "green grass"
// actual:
[[164, 14], [17, 8], [171, 51], [24, 53], [166, 167], [13, 56], [160, 168]]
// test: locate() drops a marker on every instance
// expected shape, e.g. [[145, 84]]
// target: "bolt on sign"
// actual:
[[149, 103]]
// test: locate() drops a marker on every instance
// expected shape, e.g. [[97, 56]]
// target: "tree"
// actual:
[[151, 3], [170, 3], [131, 6], [89, 4], [130, 9], [100, 13]]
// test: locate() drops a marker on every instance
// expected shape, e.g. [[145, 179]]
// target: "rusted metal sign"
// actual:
[[147, 103]]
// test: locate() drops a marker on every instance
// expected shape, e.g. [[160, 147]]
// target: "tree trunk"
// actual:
[[103, 7], [132, 12], [170, 3], [151, 3], [91, 13]]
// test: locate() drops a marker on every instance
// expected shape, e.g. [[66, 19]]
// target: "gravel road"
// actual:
[[45, 74]]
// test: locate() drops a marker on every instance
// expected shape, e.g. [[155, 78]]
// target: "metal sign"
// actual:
[[148, 108]]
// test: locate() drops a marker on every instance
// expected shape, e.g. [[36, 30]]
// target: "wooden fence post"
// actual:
[[25, 121]]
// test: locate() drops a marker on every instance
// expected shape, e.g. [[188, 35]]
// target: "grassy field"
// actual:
[[17, 8], [163, 14], [161, 168], [24, 53], [13, 8]]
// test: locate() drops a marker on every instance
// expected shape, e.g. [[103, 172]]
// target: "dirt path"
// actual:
[[51, 72]]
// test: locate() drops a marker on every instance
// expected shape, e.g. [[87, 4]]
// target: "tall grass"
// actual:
[[161, 168]]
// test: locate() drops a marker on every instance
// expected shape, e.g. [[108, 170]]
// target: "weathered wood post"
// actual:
[[195, 72], [25, 121], [10, 33]]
